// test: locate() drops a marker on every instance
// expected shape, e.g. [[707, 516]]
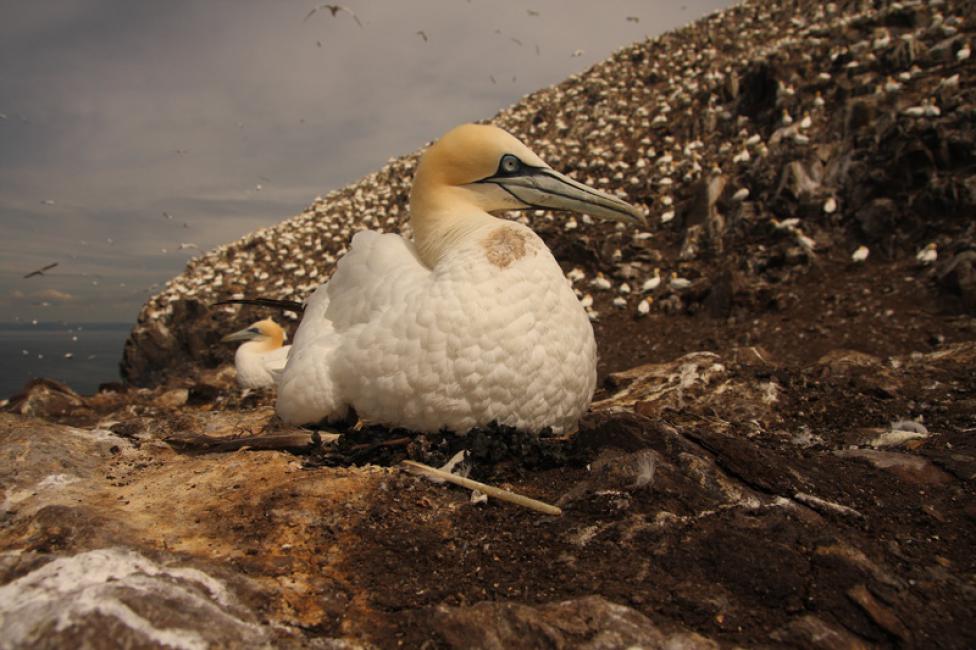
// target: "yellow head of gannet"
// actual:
[[261, 356], [471, 323], [477, 169]]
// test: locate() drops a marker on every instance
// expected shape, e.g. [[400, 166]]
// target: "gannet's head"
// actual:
[[265, 331], [486, 167]]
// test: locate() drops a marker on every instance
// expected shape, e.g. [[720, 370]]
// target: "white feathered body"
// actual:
[[257, 366], [492, 333]]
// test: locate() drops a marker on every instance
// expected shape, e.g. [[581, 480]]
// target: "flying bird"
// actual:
[[422, 34], [262, 355], [633, 19], [532, 12], [41, 270], [576, 54], [470, 323], [333, 9]]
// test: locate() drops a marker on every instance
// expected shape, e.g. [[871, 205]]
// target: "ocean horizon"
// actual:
[[81, 355]]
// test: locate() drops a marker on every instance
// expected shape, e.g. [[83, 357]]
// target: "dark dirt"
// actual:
[[678, 553]]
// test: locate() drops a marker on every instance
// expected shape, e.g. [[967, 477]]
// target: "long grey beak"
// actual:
[[541, 187], [246, 334]]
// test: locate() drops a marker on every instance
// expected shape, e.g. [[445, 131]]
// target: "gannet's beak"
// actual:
[[543, 187], [246, 334]]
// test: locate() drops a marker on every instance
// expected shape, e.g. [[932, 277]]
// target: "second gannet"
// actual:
[[470, 323], [262, 355]]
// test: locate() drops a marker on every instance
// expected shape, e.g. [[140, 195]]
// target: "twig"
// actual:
[[497, 493], [282, 441], [395, 442]]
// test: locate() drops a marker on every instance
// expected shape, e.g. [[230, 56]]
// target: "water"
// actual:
[[94, 357]]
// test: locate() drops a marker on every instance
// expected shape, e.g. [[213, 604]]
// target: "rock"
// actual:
[[173, 398], [914, 469], [46, 398], [879, 613], [958, 276], [878, 219], [705, 514], [81, 600], [591, 623], [811, 632]]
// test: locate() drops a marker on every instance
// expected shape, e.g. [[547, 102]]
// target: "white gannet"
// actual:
[[262, 356], [927, 255], [473, 322]]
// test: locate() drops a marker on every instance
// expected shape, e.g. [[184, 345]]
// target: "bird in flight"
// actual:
[[633, 19], [41, 270], [422, 34], [333, 9]]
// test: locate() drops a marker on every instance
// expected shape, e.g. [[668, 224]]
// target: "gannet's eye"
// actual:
[[510, 164], [253, 330]]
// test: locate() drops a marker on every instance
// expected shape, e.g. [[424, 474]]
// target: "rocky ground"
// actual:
[[781, 453]]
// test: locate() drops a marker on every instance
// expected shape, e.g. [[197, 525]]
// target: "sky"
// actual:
[[128, 129]]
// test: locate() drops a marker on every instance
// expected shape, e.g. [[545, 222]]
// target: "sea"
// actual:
[[81, 355]]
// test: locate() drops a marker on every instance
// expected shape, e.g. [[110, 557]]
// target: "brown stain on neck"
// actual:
[[504, 245]]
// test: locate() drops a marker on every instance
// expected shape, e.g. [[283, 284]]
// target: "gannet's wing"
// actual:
[[276, 362], [378, 268], [276, 359], [379, 272]]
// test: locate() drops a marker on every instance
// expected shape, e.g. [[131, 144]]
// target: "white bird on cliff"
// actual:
[[262, 355], [471, 323], [860, 254], [927, 255]]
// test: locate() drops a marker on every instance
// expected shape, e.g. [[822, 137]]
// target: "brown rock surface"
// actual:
[[730, 514]]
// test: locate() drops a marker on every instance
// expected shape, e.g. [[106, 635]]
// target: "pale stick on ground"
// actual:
[[491, 491]]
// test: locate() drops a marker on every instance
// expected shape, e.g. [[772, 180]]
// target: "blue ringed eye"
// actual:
[[510, 163]]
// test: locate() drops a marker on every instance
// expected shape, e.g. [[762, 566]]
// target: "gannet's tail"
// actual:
[[274, 303]]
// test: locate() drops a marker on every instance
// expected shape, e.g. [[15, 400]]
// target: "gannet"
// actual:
[[41, 270], [860, 254], [333, 9], [928, 254], [470, 323], [262, 356]]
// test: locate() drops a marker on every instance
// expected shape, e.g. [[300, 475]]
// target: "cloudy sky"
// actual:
[[130, 128]]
